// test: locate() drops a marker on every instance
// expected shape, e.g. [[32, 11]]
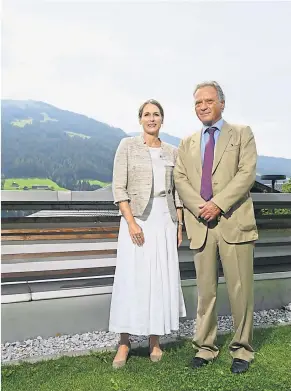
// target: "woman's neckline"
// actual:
[[160, 142]]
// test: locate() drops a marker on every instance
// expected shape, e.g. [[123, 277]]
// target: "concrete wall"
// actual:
[[82, 314]]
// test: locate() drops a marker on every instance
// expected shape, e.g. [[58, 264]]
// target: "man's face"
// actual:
[[207, 105]]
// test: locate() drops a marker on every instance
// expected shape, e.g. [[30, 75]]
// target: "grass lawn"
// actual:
[[29, 182], [269, 372]]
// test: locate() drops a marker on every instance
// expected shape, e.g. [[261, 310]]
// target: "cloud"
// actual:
[[105, 59]]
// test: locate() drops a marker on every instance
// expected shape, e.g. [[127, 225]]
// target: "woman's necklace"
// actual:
[[155, 144]]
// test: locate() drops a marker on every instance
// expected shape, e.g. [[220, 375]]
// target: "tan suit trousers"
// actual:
[[237, 263]]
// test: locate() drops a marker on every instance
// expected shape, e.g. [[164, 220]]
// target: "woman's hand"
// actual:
[[180, 235], [136, 233]]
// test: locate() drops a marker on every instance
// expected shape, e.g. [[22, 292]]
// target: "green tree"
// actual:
[[286, 188], [2, 181]]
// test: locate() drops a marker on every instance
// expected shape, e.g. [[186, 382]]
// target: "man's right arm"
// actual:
[[191, 199]]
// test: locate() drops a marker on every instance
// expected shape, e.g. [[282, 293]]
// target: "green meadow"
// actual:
[[47, 118], [22, 122], [28, 182], [73, 134], [96, 182]]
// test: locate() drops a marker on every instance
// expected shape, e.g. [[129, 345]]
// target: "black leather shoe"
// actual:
[[198, 362], [239, 366]]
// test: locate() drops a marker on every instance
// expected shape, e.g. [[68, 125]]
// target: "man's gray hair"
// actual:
[[213, 84]]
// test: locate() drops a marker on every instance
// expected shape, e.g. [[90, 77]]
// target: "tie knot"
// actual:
[[211, 131]]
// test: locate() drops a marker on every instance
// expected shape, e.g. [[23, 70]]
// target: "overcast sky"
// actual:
[[104, 59]]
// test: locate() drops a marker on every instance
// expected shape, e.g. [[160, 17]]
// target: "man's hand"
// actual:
[[209, 211]]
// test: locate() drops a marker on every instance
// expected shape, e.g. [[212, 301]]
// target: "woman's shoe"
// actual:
[[156, 356], [119, 363]]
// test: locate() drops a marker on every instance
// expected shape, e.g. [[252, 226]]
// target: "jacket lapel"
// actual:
[[144, 154], [166, 152], [195, 150], [222, 142]]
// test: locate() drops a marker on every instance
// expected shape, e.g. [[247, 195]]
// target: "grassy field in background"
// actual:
[[42, 181], [47, 118], [269, 372], [96, 182], [73, 134], [20, 123], [29, 182]]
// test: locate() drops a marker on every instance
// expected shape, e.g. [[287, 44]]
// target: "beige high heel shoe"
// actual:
[[116, 364]]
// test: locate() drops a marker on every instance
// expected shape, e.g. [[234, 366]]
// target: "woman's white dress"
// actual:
[[147, 297]]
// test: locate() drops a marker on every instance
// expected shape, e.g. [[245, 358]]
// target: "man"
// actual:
[[215, 170]]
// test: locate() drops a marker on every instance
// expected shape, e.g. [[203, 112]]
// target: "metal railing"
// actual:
[[86, 200], [103, 202], [37, 199]]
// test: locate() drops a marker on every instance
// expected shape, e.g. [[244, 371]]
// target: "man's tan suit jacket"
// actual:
[[233, 175]]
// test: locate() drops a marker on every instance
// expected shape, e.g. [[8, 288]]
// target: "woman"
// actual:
[[147, 297]]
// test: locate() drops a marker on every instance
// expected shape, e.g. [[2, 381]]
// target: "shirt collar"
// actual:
[[217, 125]]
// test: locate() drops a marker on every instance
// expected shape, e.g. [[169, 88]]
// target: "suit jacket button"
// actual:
[[169, 191]]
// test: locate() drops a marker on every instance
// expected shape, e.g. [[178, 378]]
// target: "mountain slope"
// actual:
[[40, 140], [45, 114], [265, 164]]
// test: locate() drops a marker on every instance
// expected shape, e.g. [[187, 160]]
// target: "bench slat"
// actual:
[[58, 230], [57, 254], [59, 237], [50, 266], [92, 271], [31, 248]]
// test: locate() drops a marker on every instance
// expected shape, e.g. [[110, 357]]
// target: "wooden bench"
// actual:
[[29, 254]]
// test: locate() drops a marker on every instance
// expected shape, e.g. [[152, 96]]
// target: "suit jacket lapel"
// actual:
[[222, 142], [195, 149]]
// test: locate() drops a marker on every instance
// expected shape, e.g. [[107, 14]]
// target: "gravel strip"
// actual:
[[99, 340]]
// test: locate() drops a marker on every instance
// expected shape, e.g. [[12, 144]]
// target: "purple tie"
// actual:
[[206, 180]]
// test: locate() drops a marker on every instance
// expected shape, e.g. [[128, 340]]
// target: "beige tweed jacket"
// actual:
[[133, 175]]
